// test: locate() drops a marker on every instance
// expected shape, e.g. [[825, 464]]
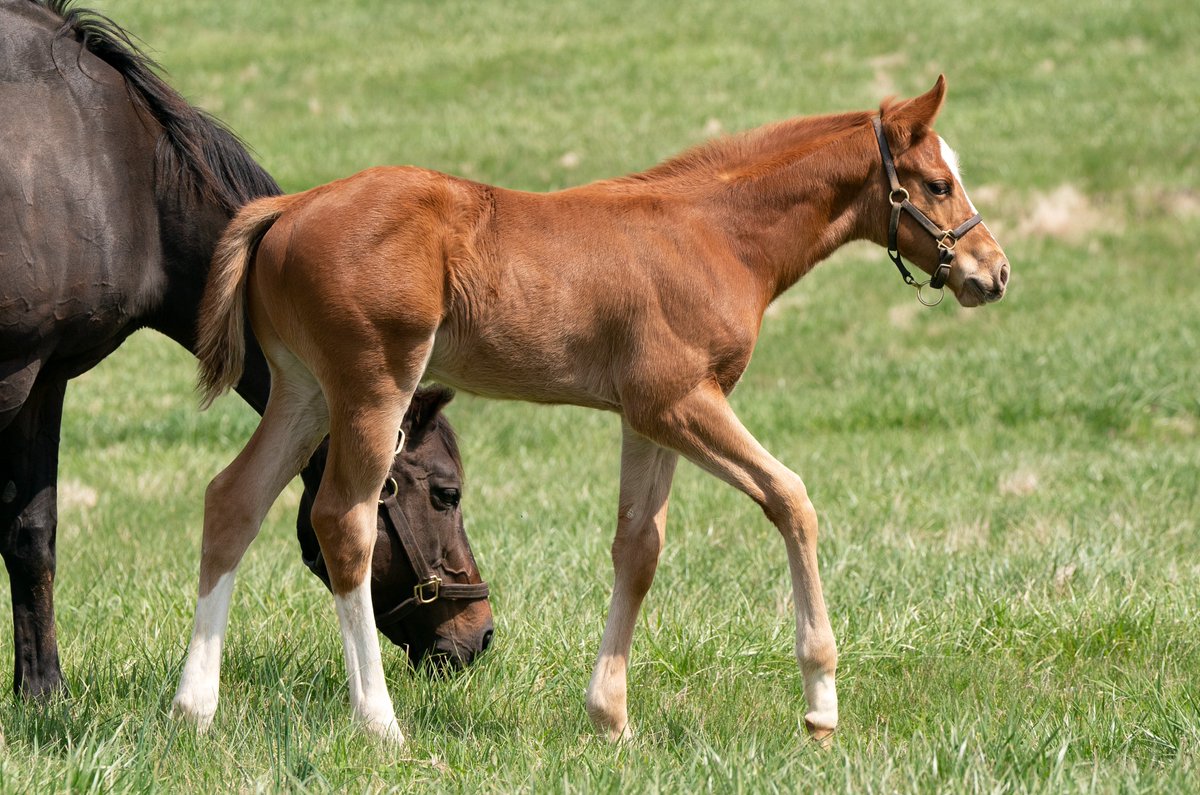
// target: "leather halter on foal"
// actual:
[[429, 587], [946, 238]]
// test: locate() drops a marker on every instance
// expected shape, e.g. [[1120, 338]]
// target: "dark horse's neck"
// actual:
[[203, 174]]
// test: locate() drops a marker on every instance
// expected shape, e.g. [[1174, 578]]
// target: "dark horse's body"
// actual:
[[113, 193]]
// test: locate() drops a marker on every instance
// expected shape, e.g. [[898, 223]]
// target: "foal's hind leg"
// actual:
[[235, 504], [646, 472], [704, 428]]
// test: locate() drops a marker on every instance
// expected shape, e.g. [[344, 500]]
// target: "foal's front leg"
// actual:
[[704, 428], [365, 419], [646, 472]]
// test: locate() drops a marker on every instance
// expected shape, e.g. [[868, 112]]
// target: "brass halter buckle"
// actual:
[[428, 591], [947, 241]]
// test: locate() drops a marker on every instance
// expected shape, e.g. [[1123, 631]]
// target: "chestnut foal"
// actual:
[[641, 295]]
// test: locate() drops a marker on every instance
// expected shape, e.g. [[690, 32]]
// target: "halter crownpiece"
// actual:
[[946, 238]]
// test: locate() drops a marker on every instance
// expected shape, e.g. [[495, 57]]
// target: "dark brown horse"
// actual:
[[113, 193], [641, 295]]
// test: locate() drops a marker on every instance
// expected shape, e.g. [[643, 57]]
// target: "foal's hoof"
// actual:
[[622, 735], [199, 713], [387, 730], [615, 727], [819, 734], [609, 716]]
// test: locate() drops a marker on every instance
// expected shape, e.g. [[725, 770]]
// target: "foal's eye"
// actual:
[[445, 497], [939, 187]]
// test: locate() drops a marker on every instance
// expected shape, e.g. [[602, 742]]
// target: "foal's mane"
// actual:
[[754, 153], [195, 152]]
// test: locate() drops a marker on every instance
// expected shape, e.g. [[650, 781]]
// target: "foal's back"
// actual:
[[585, 296]]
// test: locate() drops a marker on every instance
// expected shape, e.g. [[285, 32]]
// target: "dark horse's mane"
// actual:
[[195, 152]]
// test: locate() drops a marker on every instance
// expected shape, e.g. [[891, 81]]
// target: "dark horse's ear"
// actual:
[[908, 120], [427, 403]]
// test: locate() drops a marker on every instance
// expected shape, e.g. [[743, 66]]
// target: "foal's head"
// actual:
[[428, 482], [928, 169]]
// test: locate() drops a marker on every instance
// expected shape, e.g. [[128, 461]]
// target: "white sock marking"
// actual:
[[364, 663], [821, 694], [201, 681]]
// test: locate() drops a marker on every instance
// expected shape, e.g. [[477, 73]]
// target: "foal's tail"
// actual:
[[220, 331]]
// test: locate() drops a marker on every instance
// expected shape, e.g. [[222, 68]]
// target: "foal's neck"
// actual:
[[795, 207]]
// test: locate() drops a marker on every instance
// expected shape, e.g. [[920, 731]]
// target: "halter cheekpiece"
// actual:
[[946, 238], [429, 587]]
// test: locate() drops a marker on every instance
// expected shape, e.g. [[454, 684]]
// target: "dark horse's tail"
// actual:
[[220, 338]]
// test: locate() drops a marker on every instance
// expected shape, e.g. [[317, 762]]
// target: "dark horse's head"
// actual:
[[425, 587]]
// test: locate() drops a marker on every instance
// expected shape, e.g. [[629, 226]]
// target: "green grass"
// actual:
[[1008, 496]]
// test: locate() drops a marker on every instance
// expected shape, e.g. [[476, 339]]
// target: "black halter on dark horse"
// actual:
[[115, 190]]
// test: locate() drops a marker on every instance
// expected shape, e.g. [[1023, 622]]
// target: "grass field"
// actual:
[[1009, 497]]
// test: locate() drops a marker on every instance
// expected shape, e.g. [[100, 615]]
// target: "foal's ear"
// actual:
[[908, 120]]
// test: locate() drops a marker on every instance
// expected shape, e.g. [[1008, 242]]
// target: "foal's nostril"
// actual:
[[1004, 275], [486, 640]]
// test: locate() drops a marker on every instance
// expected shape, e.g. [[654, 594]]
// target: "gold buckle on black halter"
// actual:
[[428, 591]]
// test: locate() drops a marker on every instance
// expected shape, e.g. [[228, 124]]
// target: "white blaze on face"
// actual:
[[951, 158]]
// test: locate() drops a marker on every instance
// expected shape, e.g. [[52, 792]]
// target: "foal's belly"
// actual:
[[523, 369]]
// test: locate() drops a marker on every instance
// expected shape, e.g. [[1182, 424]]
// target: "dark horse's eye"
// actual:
[[939, 187], [445, 497]]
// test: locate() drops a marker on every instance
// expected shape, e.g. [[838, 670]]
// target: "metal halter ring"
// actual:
[[901, 192], [390, 489], [941, 293]]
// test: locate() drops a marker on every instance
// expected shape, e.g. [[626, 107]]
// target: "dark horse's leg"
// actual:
[[28, 520]]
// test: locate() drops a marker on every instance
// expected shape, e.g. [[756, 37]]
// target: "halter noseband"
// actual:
[[946, 238]]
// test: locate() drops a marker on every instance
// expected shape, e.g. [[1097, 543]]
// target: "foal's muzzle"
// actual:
[[984, 292]]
